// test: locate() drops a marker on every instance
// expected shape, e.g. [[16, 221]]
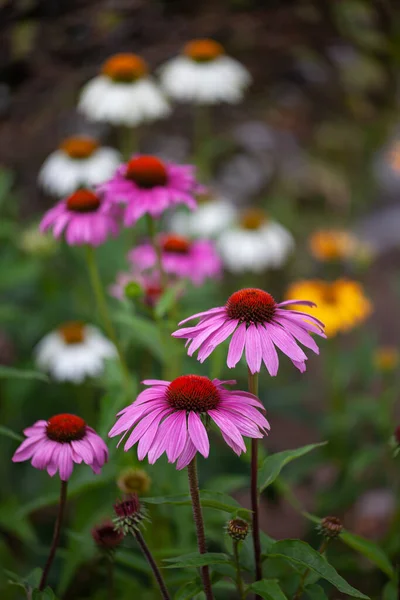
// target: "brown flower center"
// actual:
[[147, 172], [79, 147], [251, 305], [83, 201], [72, 332], [193, 392], [253, 219], [65, 428], [176, 244], [124, 68], [204, 50]]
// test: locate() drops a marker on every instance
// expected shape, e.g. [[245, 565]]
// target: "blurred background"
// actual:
[[316, 145]]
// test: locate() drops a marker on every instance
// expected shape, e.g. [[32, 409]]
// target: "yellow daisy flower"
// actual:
[[341, 304], [331, 244], [386, 358]]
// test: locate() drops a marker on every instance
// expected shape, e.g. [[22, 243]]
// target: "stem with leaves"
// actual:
[[56, 535], [198, 519], [302, 582], [239, 580], [153, 565]]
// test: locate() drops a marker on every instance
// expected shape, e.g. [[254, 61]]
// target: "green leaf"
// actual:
[[268, 589], [390, 591], [195, 559], [31, 580], [143, 333], [10, 433], [315, 592], [189, 590], [300, 553], [370, 550], [47, 594], [168, 299], [274, 463], [11, 373], [208, 499]]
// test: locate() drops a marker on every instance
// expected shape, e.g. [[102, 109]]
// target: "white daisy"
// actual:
[[123, 94], [203, 74], [73, 352], [211, 218], [78, 162], [255, 244]]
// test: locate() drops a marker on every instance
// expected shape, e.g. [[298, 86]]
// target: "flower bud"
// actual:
[[129, 514], [106, 536], [134, 481], [330, 527], [238, 529]]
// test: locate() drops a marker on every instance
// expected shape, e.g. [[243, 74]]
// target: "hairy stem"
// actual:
[[198, 519], [239, 580], [253, 388], [56, 534], [153, 565]]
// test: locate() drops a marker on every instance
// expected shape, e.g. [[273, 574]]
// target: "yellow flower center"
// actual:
[[253, 219], [79, 147], [72, 332], [124, 68], [204, 50]]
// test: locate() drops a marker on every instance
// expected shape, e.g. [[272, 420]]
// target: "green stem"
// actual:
[[110, 577], [151, 228], [239, 580], [302, 582], [198, 519], [56, 535], [202, 134], [103, 309], [128, 141], [253, 389], [153, 565]]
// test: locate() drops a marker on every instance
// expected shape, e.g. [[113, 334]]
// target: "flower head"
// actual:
[[84, 218], [167, 417], [213, 216], [79, 161], [123, 93], [134, 481], [341, 304], [181, 257], [148, 286], [238, 529], [106, 536], [128, 514], [259, 325], [56, 444], [330, 245], [204, 74], [148, 185], [73, 352], [255, 244]]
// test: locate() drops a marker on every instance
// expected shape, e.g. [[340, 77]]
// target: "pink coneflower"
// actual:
[[84, 217], [195, 260], [168, 418], [56, 444], [147, 185], [259, 325]]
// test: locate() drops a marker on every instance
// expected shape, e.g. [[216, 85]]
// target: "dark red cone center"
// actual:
[[65, 428], [193, 392], [146, 171], [176, 244], [83, 201], [251, 305]]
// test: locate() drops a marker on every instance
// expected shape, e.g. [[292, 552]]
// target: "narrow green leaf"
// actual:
[[198, 560], [209, 499], [11, 373], [315, 592], [143, 333], [300, 553], [47, 594], [370, 550], [274, 463], [10, 434], [168, 298], [269, 589], [390, 591]]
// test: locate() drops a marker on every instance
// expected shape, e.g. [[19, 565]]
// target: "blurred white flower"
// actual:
[[78, 162], [255, 244], [123, 94], [203, 74], [211, 218], [73, 352]]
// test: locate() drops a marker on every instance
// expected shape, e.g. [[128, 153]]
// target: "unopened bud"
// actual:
[[129, 514], [238, 529], [106, 536], [330, 527]]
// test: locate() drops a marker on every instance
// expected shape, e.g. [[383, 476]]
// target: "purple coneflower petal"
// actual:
[[198, 434], [253, 349], [269, 353], [178, 440], [187, 455]]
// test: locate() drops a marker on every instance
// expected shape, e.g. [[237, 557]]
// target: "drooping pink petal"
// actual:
[[236, 346], [188, 454], [269, 353], [198, 434], [178, 440], [253, 349]]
